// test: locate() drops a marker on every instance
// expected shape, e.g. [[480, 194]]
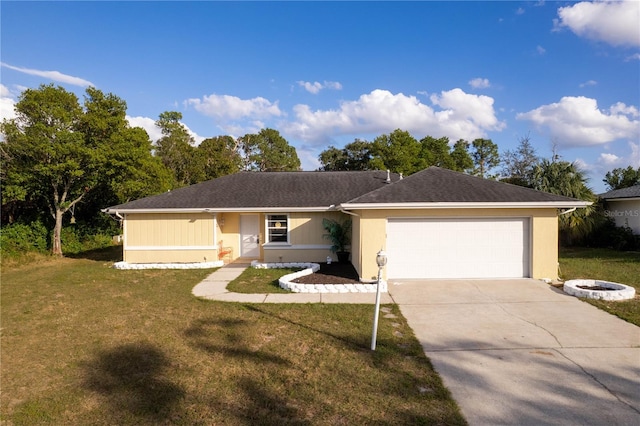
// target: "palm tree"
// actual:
[[564, 178]]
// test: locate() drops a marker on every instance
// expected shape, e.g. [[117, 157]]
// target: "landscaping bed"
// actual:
[[334, 273]]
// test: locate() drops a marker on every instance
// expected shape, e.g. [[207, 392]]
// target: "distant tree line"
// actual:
[[402, 153], [61, 161]]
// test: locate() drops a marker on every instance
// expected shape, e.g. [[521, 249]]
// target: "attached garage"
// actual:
[[458, 248]]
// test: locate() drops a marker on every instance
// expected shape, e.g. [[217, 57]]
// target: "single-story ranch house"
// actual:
[[436, 223], [623, 206]]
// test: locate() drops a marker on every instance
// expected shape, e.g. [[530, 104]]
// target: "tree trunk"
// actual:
[[57, 232]]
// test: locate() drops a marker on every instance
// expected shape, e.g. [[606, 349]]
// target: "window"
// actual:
[[277, 228]]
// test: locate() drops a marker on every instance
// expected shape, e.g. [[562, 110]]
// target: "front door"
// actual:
[[249, 235]]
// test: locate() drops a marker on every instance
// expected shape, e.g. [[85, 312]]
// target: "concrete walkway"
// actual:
[[214, 287], [520, 352]]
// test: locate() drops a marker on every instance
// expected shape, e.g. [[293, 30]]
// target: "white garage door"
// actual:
[[458, 248]]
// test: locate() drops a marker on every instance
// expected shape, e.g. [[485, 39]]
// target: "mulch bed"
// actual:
[[336, 273], [596, 287]]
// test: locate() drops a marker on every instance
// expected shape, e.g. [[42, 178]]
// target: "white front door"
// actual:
[[249, 235]]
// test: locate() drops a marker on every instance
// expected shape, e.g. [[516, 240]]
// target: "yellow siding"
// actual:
[[159, 238], [170, 256], [544, 235], [169, 230]]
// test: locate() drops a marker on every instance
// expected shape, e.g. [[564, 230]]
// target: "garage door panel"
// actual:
[[458, 248]]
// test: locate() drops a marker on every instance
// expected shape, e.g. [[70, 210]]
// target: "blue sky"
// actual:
[[325, 73]]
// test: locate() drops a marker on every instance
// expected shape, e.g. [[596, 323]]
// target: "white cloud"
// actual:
[[7, 103], [588, 83], [634, 57], [461, 115], [4, 91], [613, 22], [541, 50], [608, 159], [225, 107], [154, 132], [51, 75], [316, 86], [577, 121], [480, 83], [148, 124], [7, 110]]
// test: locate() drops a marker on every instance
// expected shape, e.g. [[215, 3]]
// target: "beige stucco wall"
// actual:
[[306, 241], [229, 232], [544, 235]]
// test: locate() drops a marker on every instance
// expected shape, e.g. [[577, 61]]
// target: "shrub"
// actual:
[[79, 238], [20, 238], [608, 235]]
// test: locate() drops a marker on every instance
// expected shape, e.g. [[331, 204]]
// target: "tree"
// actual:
[[218, 157], [518, 165], [132, 172], [129, 169], [485, 156], [267, 151], [436, 152], [354, 156], [333, 159], [398, 152], [462, 161], [175, 149], [48, 153], [622, 178], [57, 154], [564, 178]]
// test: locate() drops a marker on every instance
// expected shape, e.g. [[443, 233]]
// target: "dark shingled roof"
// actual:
[[247, 190], [630, 192], [268, 189], [438, 185]]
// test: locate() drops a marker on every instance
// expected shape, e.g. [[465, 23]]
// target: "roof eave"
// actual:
[[467, 205], [622, 199], [220, 210]]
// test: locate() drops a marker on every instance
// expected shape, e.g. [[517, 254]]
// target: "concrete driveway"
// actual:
[[520, 352]]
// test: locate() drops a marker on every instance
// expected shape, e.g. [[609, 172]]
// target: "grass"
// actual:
[[607, 265], [83, 343], [260, 281]]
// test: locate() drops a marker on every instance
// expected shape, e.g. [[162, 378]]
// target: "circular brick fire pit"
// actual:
[[595, 289]]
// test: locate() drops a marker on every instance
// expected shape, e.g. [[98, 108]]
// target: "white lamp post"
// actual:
[[381, 260]]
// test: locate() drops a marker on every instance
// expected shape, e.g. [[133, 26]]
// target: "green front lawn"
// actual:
[[607, 265], [84, 344], [260, 281]]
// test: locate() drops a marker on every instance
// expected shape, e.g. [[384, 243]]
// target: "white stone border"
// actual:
[[195, 265], [286, 282], [619, 292]]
